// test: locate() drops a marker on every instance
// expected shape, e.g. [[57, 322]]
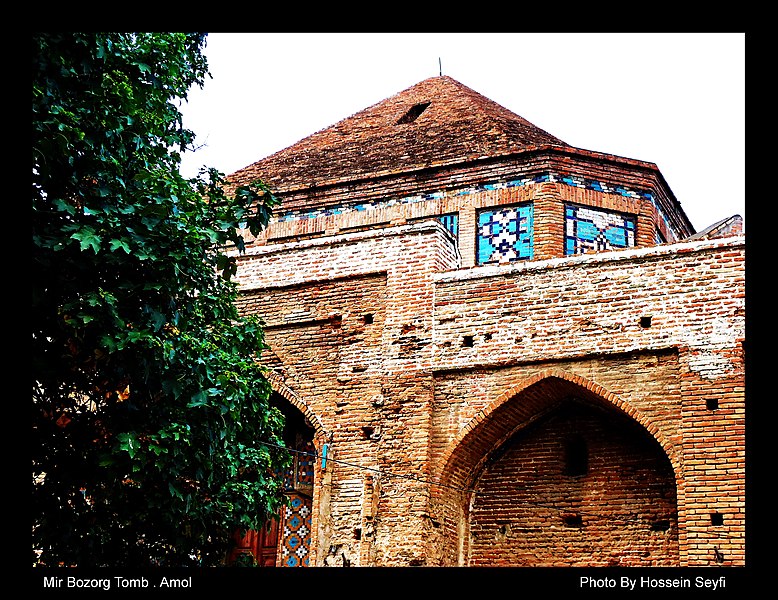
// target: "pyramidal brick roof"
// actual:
[[438, 121]]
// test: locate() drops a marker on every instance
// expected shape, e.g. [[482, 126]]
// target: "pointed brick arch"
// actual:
[[599, 391], [282, 389], [289, 539], [493, 418], [518, 407]]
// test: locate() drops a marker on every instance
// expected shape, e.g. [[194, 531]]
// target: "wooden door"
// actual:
[[257, 547], [266, 547]]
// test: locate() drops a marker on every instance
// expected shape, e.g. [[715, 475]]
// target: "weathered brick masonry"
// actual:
[[655, 334], [516, 354]]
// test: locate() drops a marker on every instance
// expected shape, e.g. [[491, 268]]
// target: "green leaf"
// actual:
[[174, 491], [116, 244], [64, 206], [128, 443], [199, 399], [158, 319], [88, 238]]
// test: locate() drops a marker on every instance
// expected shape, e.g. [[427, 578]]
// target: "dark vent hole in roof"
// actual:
[[413, 113]]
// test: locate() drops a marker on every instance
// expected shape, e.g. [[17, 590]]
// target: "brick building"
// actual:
[[494, 348]]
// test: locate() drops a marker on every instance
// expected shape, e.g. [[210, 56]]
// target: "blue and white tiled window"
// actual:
[[594, 230], [504, 234]]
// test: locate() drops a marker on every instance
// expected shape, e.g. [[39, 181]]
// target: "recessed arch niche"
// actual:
[[558, 472]]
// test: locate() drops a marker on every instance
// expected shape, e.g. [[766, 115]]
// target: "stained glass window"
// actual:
[[299, 474]]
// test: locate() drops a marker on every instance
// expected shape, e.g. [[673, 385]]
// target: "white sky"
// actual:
[[673, 99]]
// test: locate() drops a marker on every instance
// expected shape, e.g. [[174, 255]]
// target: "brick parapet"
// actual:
[[618, 301]]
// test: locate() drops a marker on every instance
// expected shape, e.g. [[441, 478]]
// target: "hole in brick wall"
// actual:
[[358, 533], [661, 525], [572, 520], [368, 319], [576, 457], [367, 432], [712, 403], [716, 519], [467, 341], [487, 336], [645, 322]]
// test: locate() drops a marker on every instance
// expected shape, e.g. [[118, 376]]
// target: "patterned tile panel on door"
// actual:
[[296, 535]]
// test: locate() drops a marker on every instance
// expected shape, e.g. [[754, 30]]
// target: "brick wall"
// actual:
[[577, 488], [350, 328], [421, 399], [656, 331]]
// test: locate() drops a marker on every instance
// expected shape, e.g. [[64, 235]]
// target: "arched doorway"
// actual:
[[581, 486], [557, 471], [285, 539]]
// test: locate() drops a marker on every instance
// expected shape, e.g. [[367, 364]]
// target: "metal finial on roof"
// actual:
[[440, 67]]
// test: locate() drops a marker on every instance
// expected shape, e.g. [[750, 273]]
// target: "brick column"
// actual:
[[549, 219]]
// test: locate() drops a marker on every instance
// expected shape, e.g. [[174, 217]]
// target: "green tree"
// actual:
[[149, 401]]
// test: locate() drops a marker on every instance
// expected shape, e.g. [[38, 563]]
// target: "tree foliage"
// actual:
[[149, 402]]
